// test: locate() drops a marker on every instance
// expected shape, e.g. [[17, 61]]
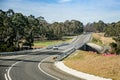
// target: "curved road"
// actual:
[[36, 66], [31, 67]]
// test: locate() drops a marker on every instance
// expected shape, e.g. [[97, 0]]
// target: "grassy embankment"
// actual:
[[40, 44], [99, 39], [96, 64]]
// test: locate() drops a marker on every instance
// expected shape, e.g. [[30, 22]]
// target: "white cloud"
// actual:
[[64, 1], [61, 12]]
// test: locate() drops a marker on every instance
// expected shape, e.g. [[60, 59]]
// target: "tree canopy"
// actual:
[[99, 26], [18, 30], [113, 30]]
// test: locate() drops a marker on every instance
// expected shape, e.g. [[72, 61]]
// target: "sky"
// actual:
[[61, 10]]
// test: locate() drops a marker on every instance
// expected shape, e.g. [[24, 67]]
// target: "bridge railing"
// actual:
[[67, 52], [19, 52], [64, 54]]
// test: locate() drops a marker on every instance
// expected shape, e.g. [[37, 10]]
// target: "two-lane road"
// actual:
[[37, 65], [31, 67]]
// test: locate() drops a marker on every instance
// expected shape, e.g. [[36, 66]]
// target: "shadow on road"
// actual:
[[44, 53], [6, 66], [25, 60], [18, 60], [22, 61]]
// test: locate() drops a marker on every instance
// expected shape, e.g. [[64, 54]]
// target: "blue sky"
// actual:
[[61, 10]]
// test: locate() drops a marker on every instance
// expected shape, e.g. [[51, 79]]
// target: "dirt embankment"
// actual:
[[104, 65]]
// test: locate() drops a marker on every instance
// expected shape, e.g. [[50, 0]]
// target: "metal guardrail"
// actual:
[[66, 53], [63, 55], [18, 52]]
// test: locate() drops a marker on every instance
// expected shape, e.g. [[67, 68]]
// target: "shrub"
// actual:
[[5, 48], [96, 41]]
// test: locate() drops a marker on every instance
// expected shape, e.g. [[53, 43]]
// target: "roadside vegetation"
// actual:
[[107, 66], [18, 31], [110, 30], [103, 65], [41, 44], [100, 39]]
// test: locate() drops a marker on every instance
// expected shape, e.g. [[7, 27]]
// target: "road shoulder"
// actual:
[[61, 66]]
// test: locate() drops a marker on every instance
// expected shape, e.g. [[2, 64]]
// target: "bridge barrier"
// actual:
[[19, 52], [64, 54]]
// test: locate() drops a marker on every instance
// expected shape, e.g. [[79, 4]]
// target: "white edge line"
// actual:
[[8, 72], [79, 74], [7, 75], [39, 66], [6, 78]]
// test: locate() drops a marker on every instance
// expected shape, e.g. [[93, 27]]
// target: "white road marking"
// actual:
[[39, 66], [7, 75], [8, 72], [6, 78]]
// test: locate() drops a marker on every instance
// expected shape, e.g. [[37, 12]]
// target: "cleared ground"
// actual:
[[98, 38], [107, 66], [96, 64], [41, 44]]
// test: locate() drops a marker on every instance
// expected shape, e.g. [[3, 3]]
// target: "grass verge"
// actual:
[[99, 39], [51, 42], [96, 64]]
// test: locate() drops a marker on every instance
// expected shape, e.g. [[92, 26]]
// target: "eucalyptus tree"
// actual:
[[44, 27], [73, 27], [2, 31], [17, 29], [6, 31], [56, 29], [33, 29], [10, 12], [77, 27], [19, 23], [113, 30]]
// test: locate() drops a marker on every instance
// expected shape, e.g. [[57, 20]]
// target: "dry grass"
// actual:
[[105, 40], [88, 62], [41, 44]]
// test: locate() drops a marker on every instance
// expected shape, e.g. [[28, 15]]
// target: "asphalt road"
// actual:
[[31, 67], [36, 66]]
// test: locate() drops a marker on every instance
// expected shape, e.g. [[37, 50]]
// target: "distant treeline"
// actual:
[[110, 29], [18, 30]]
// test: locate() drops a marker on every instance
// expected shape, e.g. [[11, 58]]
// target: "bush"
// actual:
[[96, 41], [5, 48], [115, 48]]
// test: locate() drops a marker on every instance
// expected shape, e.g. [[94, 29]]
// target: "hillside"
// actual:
[[104, 65]]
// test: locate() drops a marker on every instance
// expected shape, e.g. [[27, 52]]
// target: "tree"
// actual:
[[33, 29], [17, 30], [73, 27], [99, 26], [19, 23], [6, 32], [10, 12], [114, 31]]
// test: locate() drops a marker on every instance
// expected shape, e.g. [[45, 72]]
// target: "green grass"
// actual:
[[95, 64], [51, 42], [46, 43], [97, 41]]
